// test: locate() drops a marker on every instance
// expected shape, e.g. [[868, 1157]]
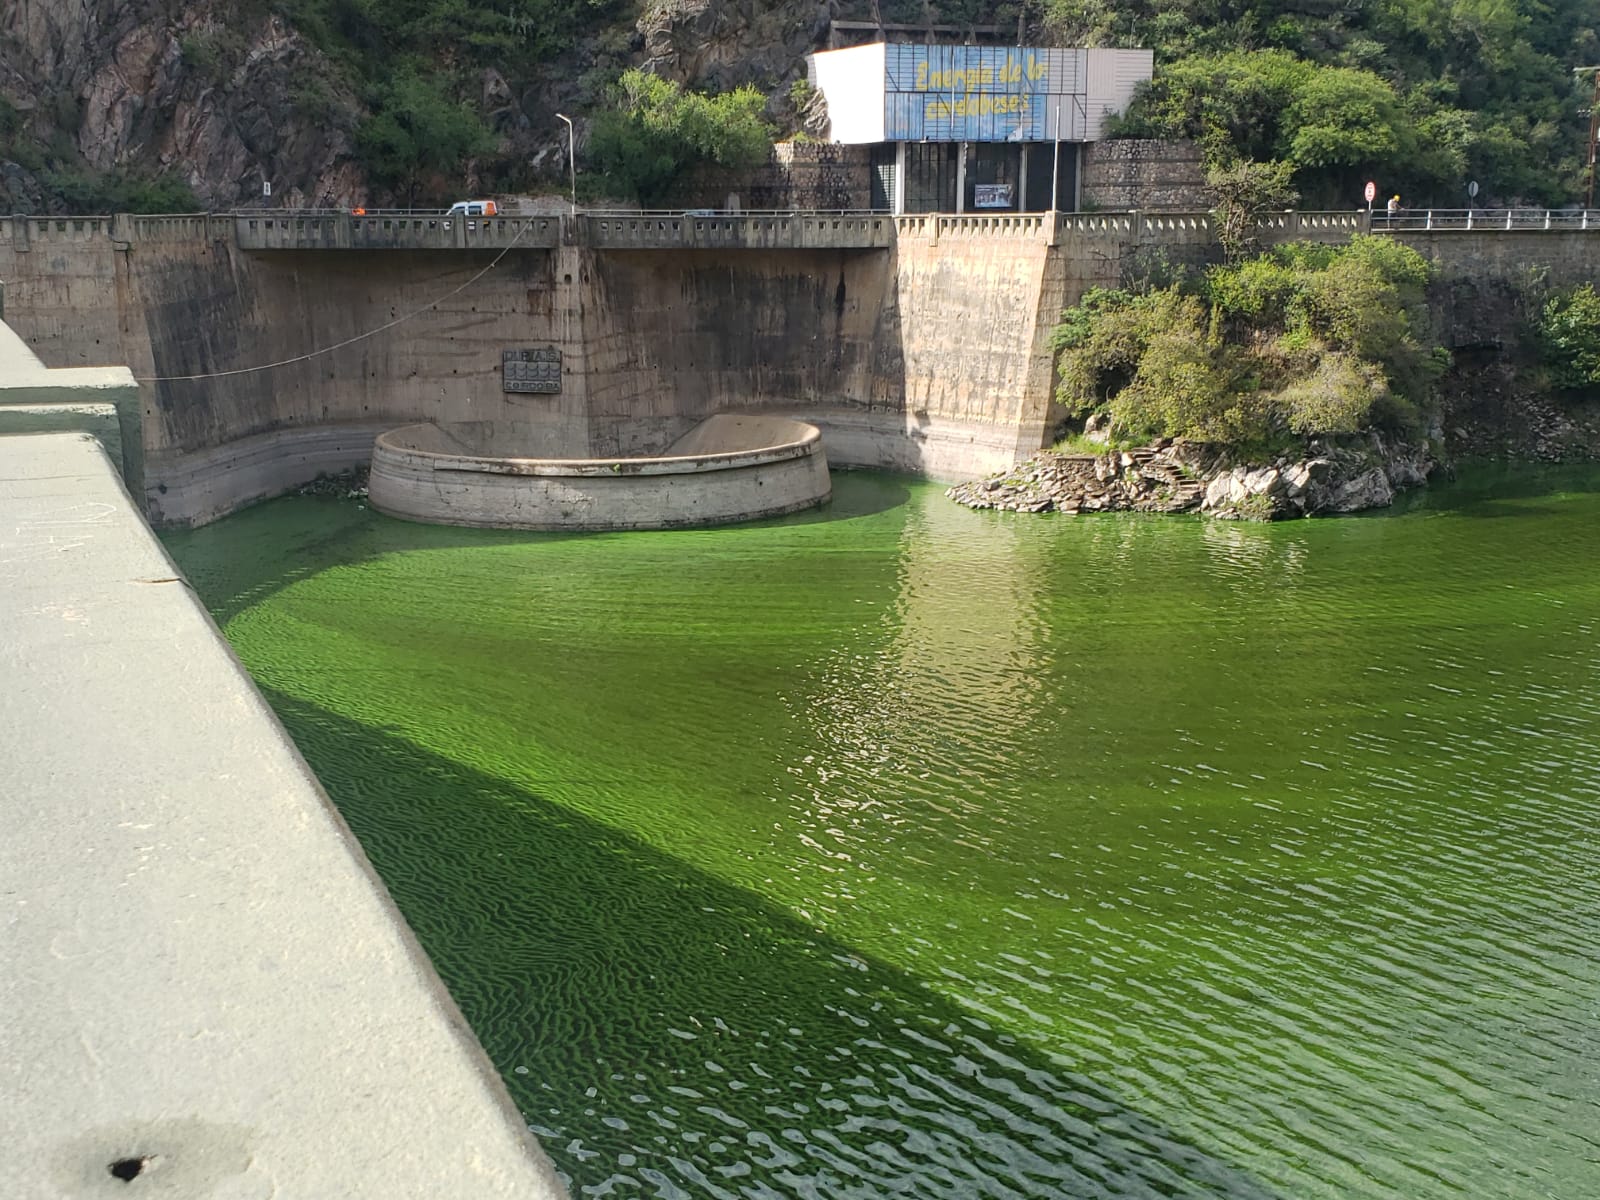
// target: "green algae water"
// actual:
[[902, 850]]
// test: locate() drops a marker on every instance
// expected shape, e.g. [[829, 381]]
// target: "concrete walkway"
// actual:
[[204, 990]]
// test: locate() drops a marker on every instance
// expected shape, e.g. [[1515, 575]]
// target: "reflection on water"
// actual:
[[917, 851]]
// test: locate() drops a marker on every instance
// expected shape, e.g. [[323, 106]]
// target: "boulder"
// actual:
[[1405, 473], [1268, 481], [1218, 492], [1368, 490]]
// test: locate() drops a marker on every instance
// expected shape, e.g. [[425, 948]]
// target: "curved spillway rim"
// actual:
[[806, 443]]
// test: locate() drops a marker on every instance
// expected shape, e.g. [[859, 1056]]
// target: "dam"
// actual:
[[914, 343]]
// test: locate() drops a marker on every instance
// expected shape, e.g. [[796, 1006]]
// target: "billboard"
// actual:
[[983, 93]]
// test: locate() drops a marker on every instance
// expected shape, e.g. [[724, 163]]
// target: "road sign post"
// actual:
[[1371, 193]]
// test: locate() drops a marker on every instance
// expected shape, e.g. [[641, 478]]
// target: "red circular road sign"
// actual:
[[1372, 191]]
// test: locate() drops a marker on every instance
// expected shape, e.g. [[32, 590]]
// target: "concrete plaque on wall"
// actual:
[[537, 370]]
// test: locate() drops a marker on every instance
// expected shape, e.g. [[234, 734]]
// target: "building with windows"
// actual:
[[974, 128]]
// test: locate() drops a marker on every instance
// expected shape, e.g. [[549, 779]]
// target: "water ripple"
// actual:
[[901, 850]]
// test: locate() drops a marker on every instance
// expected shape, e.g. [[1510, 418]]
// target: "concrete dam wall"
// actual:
[[928, 356], [925, 348]]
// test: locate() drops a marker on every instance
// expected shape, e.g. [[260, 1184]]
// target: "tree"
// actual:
[[655, 132], [1421, 94], [1244, 192], [418, 132]]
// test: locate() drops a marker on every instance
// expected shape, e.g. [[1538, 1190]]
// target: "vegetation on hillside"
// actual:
[[654, 132], [418, 68], [82, 190], [1300, 341], [1419, 95], [416, 133]]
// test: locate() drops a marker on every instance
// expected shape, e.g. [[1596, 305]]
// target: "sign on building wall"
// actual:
[[984, 93], [537, 370], [991, 195], [896, 92]]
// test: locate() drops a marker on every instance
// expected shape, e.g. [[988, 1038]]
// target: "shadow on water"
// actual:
[[261, 542], [668, 1034], [1500, 489]]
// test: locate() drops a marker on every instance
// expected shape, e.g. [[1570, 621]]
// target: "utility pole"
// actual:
[[1594, 130]]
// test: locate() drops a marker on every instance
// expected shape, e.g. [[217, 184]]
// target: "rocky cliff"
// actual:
[[225, 95], [221, 95]]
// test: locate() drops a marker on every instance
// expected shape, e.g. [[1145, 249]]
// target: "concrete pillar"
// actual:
[[1022, 177], [897, 202]]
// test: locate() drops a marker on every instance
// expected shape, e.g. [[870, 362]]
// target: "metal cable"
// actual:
[[360, 337]]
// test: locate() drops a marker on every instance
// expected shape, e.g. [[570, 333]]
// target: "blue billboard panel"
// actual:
[[967, 93]]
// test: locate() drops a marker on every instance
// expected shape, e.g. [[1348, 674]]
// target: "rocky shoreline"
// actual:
[[1176, 477]]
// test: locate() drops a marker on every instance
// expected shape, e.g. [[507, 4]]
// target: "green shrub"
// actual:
[[111, 192], [1303, 340], [1336, 396], [1568, 330], [655, 132]]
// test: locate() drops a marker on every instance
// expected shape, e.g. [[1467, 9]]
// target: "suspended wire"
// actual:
[[360, 337]]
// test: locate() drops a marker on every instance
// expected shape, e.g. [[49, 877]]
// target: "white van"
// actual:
[[473, 208]]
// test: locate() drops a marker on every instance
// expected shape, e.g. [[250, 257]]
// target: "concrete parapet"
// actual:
[[102, 401], [1176, 227], [206, 990], [344, 231], [1097, 224], [1292, 226], [182, 227], [752, 231], [728, 468], [646, 231]]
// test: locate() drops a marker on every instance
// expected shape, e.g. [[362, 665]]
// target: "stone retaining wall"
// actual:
[[1144, 174], [796, 176]]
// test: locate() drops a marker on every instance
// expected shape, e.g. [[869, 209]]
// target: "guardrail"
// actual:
[[1485, 220]]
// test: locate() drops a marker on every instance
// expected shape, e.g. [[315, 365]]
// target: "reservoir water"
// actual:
[[902, 850]]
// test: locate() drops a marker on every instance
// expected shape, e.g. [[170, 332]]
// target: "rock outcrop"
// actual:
[[1175, 477], [720, 44], [223, 96], [1150, 479]]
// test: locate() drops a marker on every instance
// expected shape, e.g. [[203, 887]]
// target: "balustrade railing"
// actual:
[[323, 228]]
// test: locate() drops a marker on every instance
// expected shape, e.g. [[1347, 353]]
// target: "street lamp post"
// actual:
[[572, 159]]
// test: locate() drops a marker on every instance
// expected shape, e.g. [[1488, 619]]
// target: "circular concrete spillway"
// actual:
[[730, 467]]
